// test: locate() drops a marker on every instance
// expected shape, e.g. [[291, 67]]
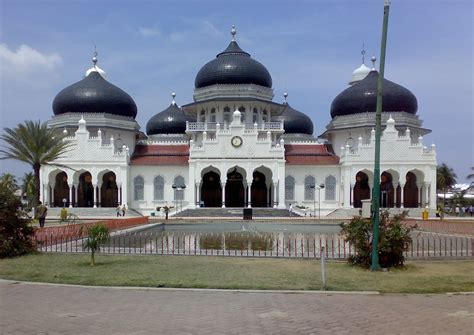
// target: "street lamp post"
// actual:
[[318, 187], [178, 188]]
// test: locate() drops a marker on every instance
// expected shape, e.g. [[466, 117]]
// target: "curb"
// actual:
[[140, 288]]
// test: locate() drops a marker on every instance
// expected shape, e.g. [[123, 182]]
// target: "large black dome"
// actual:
[[362, 97], [233, 66], [295, 122], [170, 121], [94, 94]]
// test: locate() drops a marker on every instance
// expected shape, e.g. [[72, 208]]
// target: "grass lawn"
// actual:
[[236, 273]]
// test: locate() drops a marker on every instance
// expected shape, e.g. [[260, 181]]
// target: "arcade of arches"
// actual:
[[392, 193], [84, 193], [235, 190]]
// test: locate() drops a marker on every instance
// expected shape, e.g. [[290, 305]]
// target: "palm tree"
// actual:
[[29, 187], [34, 143], [471, 175], [98, 234], [445, 178], [8, 181]]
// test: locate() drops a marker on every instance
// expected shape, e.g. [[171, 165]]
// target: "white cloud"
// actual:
[[149, 32], [25, 60]]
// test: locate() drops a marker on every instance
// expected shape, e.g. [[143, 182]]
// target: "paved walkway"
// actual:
[[50, 309]]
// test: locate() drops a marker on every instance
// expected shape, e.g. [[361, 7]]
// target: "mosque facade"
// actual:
[[235, 147]]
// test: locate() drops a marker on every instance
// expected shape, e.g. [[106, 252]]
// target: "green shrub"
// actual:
[[63, 214], [16, 234], [394, 239]]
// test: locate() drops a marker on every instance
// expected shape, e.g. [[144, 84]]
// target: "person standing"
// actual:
[[123, 209], [290, 209], [41, 211]]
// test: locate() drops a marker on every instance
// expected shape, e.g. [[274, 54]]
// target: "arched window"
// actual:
[[138, 186], [159, 186], [265, 116], [309, 183], [330, 188], [179, 191], [255, 116], [227, 114], [289, 188], [213, 115], [203, 116]]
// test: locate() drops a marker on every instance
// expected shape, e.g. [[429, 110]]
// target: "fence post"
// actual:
[[323, 268]]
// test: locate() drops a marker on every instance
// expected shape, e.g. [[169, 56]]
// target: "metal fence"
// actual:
[[424, 245]]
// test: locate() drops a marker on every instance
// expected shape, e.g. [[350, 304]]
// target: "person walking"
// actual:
[[118, 209], [123, 209], [41, 211]]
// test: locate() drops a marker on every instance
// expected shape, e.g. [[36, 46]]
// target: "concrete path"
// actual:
[[51, 309]]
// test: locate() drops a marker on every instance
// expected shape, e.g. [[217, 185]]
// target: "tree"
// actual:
[[34, 143], [98, 234], [445, 179], [29, 187], [16, 234], [8, 181], [394, 239], [471, 175]]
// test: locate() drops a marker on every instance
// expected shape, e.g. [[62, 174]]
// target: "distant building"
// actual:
[[233, 146]]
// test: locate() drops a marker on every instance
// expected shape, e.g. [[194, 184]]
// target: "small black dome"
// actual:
[[94, 94], [362, 97], [170, 121], [233, 66], [295, 122]]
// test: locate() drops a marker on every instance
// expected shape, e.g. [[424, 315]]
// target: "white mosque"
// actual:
[[233, 146]]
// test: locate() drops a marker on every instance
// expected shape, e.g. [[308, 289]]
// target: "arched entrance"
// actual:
[[386, 190], [234, 189], [61, 190], [259, 190], [361, 189], [410, 191], [211, 190], [85, 190], [109, 190]]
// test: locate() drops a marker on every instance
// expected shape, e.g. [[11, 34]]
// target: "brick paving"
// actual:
[[50, 309]]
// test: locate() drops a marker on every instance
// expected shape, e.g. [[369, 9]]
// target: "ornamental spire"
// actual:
[[363, 53], [173, 102], [233, 32], [94, 59]]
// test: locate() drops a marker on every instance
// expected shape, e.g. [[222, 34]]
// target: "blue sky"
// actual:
[[152, 48]]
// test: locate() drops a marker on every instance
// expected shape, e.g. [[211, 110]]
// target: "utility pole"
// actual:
[[378, 123]]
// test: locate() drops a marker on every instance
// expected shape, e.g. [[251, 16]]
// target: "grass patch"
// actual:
[[236, 273]]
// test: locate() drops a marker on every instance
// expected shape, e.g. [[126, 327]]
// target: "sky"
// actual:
[[153, 48]]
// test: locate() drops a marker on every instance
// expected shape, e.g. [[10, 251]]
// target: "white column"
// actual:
[[402, 186], [51, 199], [420, 188], [223, 183], [275, 194], [45, 195], [94, 197], [99, 197], [125, 187], [198, 194], [70, 195], [426, 194], [249, 190], [281, 193], [395, 185]]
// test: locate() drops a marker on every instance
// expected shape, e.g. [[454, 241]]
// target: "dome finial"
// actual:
[[173, 102], [94, 59], [363, 53], [373, 60], [285, 95], [233, 32]]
